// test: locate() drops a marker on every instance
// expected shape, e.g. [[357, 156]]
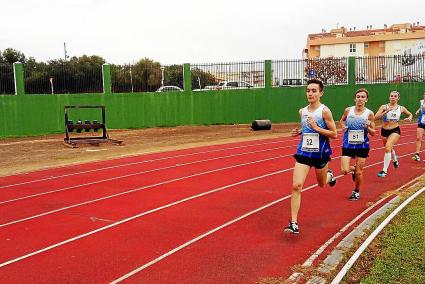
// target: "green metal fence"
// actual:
[[26, 114]]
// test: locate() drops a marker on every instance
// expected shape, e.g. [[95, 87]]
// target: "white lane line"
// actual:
[[372, 236], [141, 162], [315, 255], [169, 205], [138, 189], [309, 262], [154, 185], [137, 216], [151, 161], [138, 173], [176, 249], [134, 174]]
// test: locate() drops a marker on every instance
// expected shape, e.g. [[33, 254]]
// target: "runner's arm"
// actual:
[[381, 112], [408, 113], [297, 131], [331, 132], [343, 119], [371, 124]]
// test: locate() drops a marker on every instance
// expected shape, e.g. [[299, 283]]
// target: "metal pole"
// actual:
[[131, 80], [162, 76], [64, 49], [51, 84]]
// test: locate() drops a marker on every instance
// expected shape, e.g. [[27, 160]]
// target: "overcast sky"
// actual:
[[186, 31]]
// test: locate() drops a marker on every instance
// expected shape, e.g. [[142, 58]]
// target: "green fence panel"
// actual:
[[25, 114]]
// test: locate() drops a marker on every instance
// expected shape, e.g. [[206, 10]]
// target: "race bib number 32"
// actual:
[[310, 142]]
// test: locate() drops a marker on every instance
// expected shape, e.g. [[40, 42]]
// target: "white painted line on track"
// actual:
[[176, 249], [143, 172], [319, 251], [372, 236], [150, 186], [157, 159], [314, 256], [141, 162], [154, 185], [137, 216], [169, 205], [137, 173], [140, 188]]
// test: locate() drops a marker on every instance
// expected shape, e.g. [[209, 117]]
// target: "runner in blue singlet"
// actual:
[[357, 122], [317, 126], [420, 129]]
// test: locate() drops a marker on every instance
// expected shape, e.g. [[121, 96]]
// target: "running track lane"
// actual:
[[283, 211], [79, 220], [93, 167], [60, 194]]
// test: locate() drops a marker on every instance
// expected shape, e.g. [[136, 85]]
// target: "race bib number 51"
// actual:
[[355, 136], [310, 142]]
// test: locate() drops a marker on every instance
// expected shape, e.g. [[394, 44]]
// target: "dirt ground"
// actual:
[[32, 153]]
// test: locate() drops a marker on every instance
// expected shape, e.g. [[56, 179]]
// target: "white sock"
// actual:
[[387, 160], [394, 155]]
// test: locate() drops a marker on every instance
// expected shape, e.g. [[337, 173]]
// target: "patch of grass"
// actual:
[[397, 255]]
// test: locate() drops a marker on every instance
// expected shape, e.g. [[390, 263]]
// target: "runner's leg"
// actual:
[[298, 178]]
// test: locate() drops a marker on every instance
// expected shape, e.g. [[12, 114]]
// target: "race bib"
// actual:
[[310, 142], [393, 116], [423, 119], [355, 136]]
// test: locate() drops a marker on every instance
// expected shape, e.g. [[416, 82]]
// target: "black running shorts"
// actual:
[[353, 153], [388, 132], [312, 162]]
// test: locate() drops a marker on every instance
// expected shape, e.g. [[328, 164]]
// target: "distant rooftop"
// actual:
[[352, 32]]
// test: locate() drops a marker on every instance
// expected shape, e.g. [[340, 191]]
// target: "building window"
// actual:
[[366, 45], [352, 47]]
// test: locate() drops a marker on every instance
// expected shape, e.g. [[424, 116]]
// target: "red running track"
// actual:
[[202, 215]]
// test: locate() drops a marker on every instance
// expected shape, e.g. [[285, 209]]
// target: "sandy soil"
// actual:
[[31, 153]]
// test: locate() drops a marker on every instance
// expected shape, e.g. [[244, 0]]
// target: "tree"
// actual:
[[200, 78], [11, 56], [173, 75]]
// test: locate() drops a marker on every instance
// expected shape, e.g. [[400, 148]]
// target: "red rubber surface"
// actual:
[[240, 252]]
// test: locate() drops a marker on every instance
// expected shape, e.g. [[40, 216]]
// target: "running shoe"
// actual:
[[332, 181], [382, 174], [355, 195], [395, 161], [416, 157], [292, 228]]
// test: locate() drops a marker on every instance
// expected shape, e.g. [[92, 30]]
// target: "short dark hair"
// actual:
[[316, 81], [397, 92], [362, 90]]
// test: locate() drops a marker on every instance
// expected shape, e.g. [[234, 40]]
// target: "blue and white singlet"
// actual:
[[355, 137], [421, 117], [312, 144], [392, 115]]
